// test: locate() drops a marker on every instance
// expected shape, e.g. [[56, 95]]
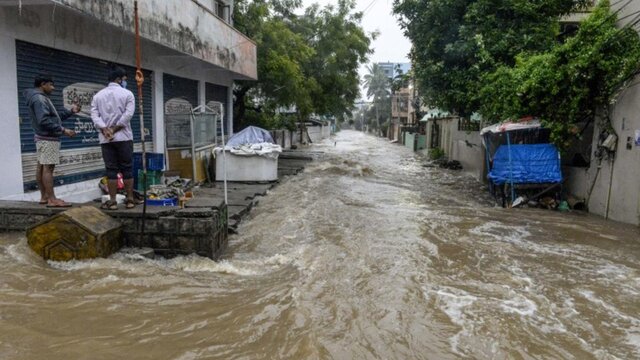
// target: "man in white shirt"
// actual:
[[111, 111]]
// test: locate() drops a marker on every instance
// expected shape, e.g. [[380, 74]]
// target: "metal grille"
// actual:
[[468, 125], [217, 93]]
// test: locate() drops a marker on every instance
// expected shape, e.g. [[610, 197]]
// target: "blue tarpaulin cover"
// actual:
[[530, 164]]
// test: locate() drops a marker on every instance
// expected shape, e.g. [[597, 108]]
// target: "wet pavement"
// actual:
[[367, 254]]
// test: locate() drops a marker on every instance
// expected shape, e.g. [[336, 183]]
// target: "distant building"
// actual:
[[392, 69]]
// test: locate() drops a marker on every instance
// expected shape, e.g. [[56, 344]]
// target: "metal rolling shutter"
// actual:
[[81, 158], [178, 87]]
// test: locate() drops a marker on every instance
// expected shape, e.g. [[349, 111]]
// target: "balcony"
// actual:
[[187, 26], [400, 105]]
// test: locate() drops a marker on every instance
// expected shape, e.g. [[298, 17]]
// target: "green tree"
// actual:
[[281, 80], [455, 42], [341, 46], [378, 88], [307, 61], [571, 81]]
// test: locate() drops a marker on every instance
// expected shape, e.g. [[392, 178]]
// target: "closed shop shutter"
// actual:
[[77, 78], [180, 88], [217, 93]]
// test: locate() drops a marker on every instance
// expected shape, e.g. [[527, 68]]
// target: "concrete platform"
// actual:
[[201, 227]]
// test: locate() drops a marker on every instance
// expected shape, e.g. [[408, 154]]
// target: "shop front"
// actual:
[[77, 79]]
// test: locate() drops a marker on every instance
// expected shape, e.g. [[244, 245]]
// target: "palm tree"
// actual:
[[378, 86]]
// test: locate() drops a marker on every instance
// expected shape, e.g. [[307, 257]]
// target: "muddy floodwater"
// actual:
[[368, 254]]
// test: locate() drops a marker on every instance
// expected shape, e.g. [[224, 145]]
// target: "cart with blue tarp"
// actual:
[[522, 164]]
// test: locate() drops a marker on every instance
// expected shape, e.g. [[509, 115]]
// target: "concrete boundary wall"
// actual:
[[170, 231], [467, 148]]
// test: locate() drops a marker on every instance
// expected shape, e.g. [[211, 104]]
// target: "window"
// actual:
[[220, 10]]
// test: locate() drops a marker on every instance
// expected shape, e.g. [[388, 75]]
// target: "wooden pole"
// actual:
[[139, 82]]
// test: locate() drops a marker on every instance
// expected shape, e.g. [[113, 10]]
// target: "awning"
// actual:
[[522, 124]]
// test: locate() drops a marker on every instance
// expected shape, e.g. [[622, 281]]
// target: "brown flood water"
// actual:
[[366, 255]]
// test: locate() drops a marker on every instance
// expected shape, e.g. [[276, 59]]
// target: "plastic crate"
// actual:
[[155, 161], [163, 202], [153, 178]]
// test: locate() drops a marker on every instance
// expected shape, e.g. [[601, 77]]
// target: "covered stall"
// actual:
[[522, 164], [250, 155]]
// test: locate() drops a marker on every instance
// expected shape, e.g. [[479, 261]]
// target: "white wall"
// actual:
[[158, 112], [468, 150], [326, 131], [315, 133], [229, 117], [11, 174]]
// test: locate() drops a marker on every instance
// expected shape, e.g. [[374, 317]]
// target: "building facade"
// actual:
[[391, 69], [191, 55]]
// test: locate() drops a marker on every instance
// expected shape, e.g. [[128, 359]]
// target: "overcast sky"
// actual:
[[391, 45]]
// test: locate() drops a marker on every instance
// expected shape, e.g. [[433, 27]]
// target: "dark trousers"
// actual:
[[118, 158]]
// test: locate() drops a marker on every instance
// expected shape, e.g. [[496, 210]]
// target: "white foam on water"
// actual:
[[133, 261], [632, 334], [453, 302], [277, 259], [253, 267], [613, 271], [194, 263], [501, 232], [633, 339], [611, 310], [519, 305], [76, 265], [21, 253], [601, 354]]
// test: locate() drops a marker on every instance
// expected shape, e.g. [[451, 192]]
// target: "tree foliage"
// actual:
[[378, 87], [308, 62], [569, 82], [504, 59], [340, 45], [455, 42]]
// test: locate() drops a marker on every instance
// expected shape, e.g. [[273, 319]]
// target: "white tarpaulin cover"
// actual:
[[263, 149], [250, 135], [252, 141], [531, 123]]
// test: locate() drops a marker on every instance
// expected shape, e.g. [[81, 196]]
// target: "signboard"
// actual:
[[177, 106], [82, 94], [177, 122]]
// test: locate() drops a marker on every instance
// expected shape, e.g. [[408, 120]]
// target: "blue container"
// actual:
[[163, 202], [155, 161]]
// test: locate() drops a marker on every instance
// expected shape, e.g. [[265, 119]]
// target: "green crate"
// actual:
[[153, 178]]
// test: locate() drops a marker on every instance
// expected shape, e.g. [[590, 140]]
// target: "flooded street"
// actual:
[[366, 255]]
